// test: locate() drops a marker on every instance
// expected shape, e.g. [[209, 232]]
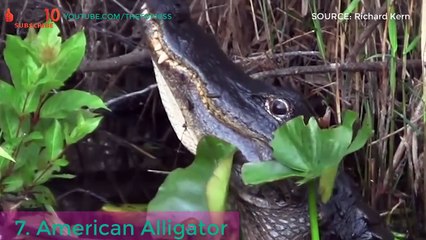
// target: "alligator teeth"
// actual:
[[162, 56], [156, 44], [204, 101], [144, 9], [172, 63], [155, 34]]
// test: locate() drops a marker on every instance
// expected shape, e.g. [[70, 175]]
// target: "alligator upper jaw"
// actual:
[[185, 96]]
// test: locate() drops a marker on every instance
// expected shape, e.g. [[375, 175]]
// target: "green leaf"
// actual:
[[33, 136], [326, 183], [318, 31], [393, 39], [192, 188], [50, 36], [343, 134], [31, 36], [6, 155], [84, 127], [125, 208], [351, 7], [44, 196], [393, 33], [13, 183], [7, 92], [45, 174], [363, 134], [18, 98], [8, 123], [268, 171], [31, 101], [294, 136], [68, 60], [27, 173], [28, 156], [54, 140], [413, 45], [63, 176], [63, 103], [5, 163], [23, 68], [61, 162], [219, 182], [48, 45], [30, 74]]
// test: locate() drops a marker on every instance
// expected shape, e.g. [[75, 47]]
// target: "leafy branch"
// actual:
[[37, 120]]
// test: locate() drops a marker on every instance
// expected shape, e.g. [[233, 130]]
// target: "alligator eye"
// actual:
[[277, 107]]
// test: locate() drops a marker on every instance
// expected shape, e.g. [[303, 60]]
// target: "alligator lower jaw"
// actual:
[[179, 121]]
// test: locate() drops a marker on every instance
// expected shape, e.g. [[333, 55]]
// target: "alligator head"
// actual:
[[212, 94], [204, 93]]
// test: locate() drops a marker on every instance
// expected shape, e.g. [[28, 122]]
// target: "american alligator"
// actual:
[[204, 93]]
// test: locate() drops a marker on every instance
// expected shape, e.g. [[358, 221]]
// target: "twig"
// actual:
[[81, 190], [138, 56], [132, 94], [136, 6], [262, 56], [126, 143], [346, 67]]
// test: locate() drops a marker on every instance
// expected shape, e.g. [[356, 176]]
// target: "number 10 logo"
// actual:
[[53, 14]]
